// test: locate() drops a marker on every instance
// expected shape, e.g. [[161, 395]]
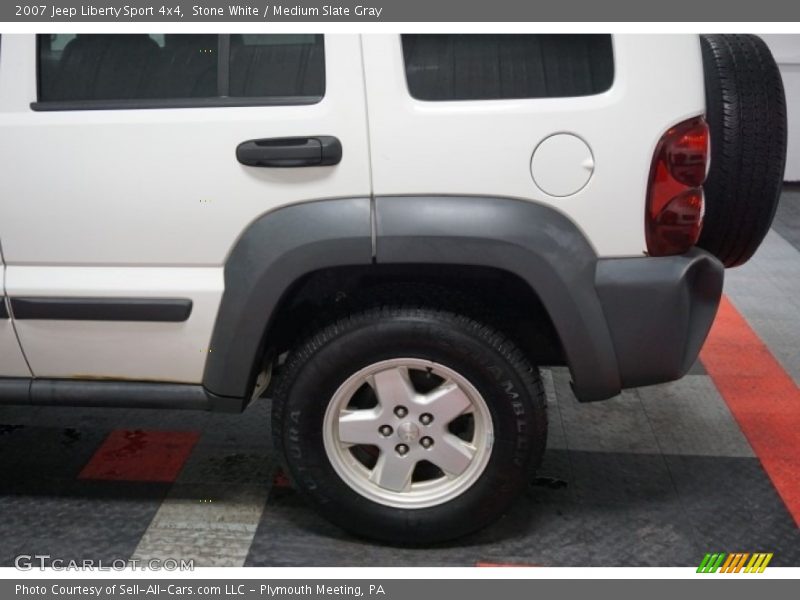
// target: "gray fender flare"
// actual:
[[274, 252], [532, 241]]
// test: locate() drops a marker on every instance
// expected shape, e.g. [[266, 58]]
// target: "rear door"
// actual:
[[122, 193], [12, 362]]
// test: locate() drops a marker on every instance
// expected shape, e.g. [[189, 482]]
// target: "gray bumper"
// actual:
[[659, 312]]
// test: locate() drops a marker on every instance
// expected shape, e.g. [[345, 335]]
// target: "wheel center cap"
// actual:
[[408, 431]]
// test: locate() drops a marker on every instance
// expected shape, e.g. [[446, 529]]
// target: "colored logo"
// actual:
[[735, 563]]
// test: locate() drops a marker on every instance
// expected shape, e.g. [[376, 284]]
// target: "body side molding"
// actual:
[[102, 309]]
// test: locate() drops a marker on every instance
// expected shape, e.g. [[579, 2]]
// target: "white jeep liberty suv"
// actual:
[[385, 234]]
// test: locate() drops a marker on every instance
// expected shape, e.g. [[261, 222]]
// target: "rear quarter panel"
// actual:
[[485, 147]]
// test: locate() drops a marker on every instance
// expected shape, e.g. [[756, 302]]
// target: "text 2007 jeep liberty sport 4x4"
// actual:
[[385, 234]]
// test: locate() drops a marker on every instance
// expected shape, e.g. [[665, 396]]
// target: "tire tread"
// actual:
[[746, 111]]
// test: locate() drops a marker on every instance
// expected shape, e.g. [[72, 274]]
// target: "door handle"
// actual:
[[313, 151]]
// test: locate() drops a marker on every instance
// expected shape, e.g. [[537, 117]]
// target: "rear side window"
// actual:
[[498, 66], [138, 70]]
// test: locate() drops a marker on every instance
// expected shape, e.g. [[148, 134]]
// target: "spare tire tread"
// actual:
[[746, 111]]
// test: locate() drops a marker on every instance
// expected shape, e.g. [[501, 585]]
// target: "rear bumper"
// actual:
[[659, 312]]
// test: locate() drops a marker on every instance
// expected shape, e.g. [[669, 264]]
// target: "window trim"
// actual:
[[220, 100], [223, 65], [58, 105]]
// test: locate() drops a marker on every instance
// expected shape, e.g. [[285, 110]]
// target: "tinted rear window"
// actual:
[[497, 66]]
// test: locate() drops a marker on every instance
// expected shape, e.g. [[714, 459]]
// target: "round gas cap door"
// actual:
[[562, 165]]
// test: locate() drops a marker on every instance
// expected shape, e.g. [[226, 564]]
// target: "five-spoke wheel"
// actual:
[[408, 432]]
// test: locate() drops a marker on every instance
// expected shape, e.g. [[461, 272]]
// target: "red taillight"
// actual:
[[674, 214]]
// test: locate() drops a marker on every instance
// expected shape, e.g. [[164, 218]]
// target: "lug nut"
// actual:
[[401, 449], [385, 430], [426, 419], [400, 411], [426, 442]]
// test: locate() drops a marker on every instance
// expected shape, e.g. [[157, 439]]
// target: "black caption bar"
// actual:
[[401, 11]]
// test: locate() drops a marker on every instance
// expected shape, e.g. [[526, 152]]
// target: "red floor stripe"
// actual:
[[141, 456], [763, 398]]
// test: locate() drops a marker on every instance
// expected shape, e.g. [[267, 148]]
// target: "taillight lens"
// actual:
[[674, 214]]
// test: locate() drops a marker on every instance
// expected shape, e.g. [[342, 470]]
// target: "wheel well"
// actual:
[[494, 296]]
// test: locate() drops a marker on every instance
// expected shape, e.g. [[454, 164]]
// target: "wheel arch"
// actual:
[[269, 258], [533, 243]]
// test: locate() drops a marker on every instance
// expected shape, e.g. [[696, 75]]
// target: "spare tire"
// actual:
[[746, 113]]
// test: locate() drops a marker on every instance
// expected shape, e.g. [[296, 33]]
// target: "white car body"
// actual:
[[148, 203]]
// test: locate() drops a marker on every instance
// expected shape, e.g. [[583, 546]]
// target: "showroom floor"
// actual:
[[659, 476]]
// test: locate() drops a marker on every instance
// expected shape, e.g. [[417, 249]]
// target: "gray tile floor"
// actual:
[[657, 476]]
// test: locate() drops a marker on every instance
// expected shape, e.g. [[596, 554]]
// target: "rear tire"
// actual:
[[490, 407], [746, 113]]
